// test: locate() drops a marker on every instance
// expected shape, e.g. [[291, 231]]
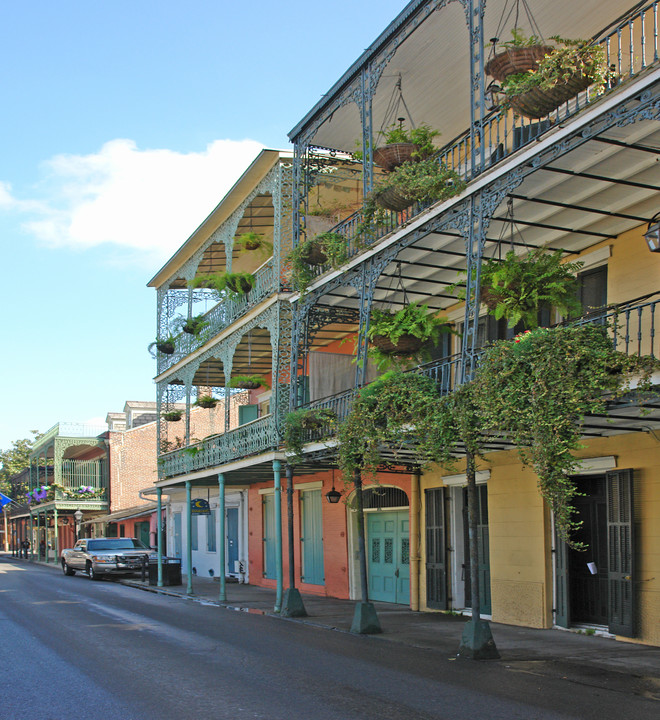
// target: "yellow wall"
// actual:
[[521, 560]]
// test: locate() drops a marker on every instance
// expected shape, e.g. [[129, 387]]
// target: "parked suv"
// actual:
[[105, 556]]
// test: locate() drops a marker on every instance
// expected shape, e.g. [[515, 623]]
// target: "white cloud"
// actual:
[[139, 200]]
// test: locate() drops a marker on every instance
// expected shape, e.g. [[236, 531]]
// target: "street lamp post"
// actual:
[[78, 516]]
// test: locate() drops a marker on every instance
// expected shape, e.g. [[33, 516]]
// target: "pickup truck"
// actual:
[[105, 556]]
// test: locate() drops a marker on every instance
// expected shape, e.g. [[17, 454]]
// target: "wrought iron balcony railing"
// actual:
[[250, 439], [632, 328], [631, 45], [222, 315]]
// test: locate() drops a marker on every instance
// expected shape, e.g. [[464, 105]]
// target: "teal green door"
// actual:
[[177, 534], [141, 532], [269, 536], [389, 557], [312, 538]]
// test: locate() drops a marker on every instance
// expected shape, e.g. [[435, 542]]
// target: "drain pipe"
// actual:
[[414, 541]]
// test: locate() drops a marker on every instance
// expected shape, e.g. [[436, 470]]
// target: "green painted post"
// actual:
[[189, 587], [277, 466], [46, 536], [31, 537], [55, 537], [222, 532], [159, 534]]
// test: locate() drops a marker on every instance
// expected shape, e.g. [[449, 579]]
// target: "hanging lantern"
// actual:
[[652, 234]]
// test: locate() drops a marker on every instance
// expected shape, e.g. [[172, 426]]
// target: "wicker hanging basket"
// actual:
[[395, 154], [537, 103], [391, 199], [246, 385], [405, 346], [516, 60]]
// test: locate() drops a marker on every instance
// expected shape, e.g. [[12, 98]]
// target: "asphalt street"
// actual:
[[76, 648]]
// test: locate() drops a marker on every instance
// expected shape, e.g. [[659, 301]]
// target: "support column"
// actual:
[[477, 642], [414, 541], [293, 603], [189, 587], [222, 532], [31, 537], [56, 536], [278, 534], [159, 534], [365, 619]]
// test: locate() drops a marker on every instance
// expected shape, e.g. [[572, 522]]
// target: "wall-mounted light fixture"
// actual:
[[652, 234], [333, 496]]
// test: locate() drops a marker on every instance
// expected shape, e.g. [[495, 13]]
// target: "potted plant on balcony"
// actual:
[[300, 422], [402, 411], [173, 415], [423, 181], [536, 390], [165, 345], [237, 284], [401, 145], [560, 74], [206, 401], [249, 382], [516, 287], [327, 248], [191, 325], [402, 334], [253, 242]]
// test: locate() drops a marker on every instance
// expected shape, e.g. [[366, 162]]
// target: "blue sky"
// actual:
[[122, 125]]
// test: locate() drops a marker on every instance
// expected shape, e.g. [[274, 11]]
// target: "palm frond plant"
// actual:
[[403, 334], [206, 401], [253, 242], [516, 287], [235, 284], [249, 382], [172, 415]]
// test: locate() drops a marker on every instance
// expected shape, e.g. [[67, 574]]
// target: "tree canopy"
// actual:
[[15, 459]]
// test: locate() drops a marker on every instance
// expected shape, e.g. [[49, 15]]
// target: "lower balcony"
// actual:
[[633, 330], [248, 440]]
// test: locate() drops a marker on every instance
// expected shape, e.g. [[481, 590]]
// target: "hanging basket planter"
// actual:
[[173, 415], [394, 154], [166, 347], [246, 384], [315, 255], [391, 199], [206, 401], [405, 346], [516, 60], [316, 419], [239, 284], [537, 102]]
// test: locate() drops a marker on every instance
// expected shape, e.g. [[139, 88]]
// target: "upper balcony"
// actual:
[[233, 263], [419, 70]]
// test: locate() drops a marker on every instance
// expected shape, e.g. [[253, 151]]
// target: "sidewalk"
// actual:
[[589, 660]]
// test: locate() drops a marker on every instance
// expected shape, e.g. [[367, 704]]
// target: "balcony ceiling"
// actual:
[[603, 188], [434, 65]]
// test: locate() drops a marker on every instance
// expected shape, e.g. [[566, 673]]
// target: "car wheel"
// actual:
[[66, 569], [93, 575]]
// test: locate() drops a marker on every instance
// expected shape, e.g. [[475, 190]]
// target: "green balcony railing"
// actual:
[[250, 439]]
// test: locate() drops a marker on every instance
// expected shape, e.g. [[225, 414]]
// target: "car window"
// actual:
[[116, 544]]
